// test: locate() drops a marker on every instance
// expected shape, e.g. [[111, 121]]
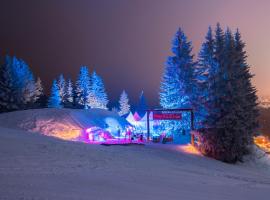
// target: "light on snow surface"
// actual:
[[262, 142], [189, 149]]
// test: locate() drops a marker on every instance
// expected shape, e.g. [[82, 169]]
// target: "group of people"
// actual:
[[129, 135]]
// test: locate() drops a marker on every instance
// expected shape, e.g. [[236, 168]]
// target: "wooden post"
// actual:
[[148, 127], [192, 129], [192, 139], [192, 120]]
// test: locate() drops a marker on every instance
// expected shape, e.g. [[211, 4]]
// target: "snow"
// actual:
[[66, 124], [36, 167]]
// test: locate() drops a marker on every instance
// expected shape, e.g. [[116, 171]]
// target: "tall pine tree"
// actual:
[[178, 80], [229, 127], [249, 98], [8, 100], [97, 97], [22, 80], [39, 89], [55, 98], [206, 62], [83, 88], [61, 83], [124, 104], [69, 94]]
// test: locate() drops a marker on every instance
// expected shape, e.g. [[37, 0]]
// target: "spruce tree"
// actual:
[[215, 82], [97, 97], [206, 63], [82, 91], [55, 98], [8, 100], [215, 138], [39, 90], [22, 81], [248, 101], [69, 94], [40, 99], [124, 104], [61, 83], [178, 81], [231, 103]]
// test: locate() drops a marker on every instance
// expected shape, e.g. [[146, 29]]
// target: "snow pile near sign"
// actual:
[[65, 124]]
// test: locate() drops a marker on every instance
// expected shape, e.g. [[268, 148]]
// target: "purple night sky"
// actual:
[[125, 41]]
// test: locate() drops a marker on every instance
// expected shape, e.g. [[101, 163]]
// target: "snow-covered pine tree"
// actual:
[[124, 104], [231, 99], [215, 81], [69, 97], [206, 63], [61, 83], [248, 102], [142, 106], [39, 90], [229, 128], [213, 137], [97, 97], [82, 91], [55, 98], [40, 99], [8, 100], [23, 81], [178, 80]]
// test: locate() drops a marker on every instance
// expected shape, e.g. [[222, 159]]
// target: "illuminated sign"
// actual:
[[167, 115]]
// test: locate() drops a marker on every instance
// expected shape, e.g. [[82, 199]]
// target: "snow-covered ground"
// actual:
[[38, 167], [65, 124]]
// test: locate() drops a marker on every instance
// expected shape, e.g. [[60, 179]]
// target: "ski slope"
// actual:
[[37, 167]]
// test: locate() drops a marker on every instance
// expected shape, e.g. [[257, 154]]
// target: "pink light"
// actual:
[[91, 137], [88, 130]]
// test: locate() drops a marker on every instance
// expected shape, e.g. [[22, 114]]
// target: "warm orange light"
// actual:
[[262, 142], [189, 149], [64, 131]]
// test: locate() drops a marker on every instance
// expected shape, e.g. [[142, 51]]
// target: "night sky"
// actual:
[[125, 41]]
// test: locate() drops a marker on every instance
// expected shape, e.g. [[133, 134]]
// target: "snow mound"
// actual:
[[258, 157], [65, 124]]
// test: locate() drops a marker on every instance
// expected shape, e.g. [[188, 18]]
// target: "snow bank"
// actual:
[[66, 124], [258, 158]]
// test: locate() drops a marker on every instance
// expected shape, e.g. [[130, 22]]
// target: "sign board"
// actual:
[[167, 115]]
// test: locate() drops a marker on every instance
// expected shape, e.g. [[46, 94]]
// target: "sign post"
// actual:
[[168, 114]]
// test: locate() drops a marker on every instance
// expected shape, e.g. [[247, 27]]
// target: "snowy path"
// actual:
[[36, 167]]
